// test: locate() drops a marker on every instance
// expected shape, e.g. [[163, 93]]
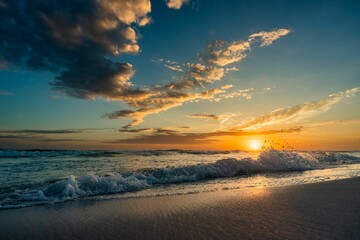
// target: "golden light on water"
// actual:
[[255, 145]]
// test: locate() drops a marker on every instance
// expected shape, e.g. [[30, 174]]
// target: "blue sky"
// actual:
[[318, 56]]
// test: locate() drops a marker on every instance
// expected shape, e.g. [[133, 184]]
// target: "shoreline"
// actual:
[[326, 210]]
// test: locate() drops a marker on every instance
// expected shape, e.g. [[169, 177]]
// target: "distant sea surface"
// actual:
[[35, 177]]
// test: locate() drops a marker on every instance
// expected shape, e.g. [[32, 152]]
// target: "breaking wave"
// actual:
[[268, 161]]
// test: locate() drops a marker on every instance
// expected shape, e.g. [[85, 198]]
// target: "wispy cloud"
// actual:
[[225, 118], [231, 69], [163, 130], [174, 68], [47, 140], [223, 53], [170, 64], [161, 102], [50, 135], [227, 86], [245, 93], [56, 131], [39, 138], [16, 137], [267, 38], [296, 113], [205, 115], [330, 123], [178, 138]]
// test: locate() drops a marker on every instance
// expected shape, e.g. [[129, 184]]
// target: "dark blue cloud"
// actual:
[[74, 39]]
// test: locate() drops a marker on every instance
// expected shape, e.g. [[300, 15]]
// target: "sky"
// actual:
[[180, 74]]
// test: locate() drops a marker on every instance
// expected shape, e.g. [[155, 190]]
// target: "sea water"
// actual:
[[33, 177]]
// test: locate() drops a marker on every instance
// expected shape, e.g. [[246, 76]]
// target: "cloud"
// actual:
[[15, 137], [174, 68], [176, 4], [267, 38], [167, 130], [245, 93], [39, 135], [115, 79], [330, 123], [205, 115], [208, 70], [46, 140], [159, 103], [74, 39], [176, 138], [60, 131], [296, 113], [81, 41], [232, 69], [225, 118], [207, 74], [197, 75], [144, 21], [213, 60], [227, 86], [172, 65], [39, 138], [223, 53], [161, 60], [138, 130]]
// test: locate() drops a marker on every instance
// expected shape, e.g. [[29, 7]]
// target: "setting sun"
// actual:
[[255, 145]]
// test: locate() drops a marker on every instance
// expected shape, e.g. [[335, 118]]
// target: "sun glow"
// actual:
[[255, 145]]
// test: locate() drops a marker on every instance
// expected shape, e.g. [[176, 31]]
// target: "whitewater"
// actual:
[[35, 177]]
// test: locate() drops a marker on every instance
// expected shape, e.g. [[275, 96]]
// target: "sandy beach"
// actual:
[[328, 210]]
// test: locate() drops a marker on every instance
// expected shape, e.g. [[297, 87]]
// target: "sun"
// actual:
[[255, 145]]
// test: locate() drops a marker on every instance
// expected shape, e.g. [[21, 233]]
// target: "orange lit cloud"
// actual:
[[176, 137], [176, 4], [296, 113], [267, 38]]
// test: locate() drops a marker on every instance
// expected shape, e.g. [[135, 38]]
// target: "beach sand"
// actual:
[[327, 210]]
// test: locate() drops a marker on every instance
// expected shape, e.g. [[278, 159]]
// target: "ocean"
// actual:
[[37, 177]]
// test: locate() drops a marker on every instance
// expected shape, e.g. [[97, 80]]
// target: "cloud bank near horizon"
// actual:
[[248, 127]]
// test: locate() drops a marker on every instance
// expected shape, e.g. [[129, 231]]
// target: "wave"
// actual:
[[268, 161], [10, 153]]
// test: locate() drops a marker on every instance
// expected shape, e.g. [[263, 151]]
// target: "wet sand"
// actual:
[[328, 210]]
